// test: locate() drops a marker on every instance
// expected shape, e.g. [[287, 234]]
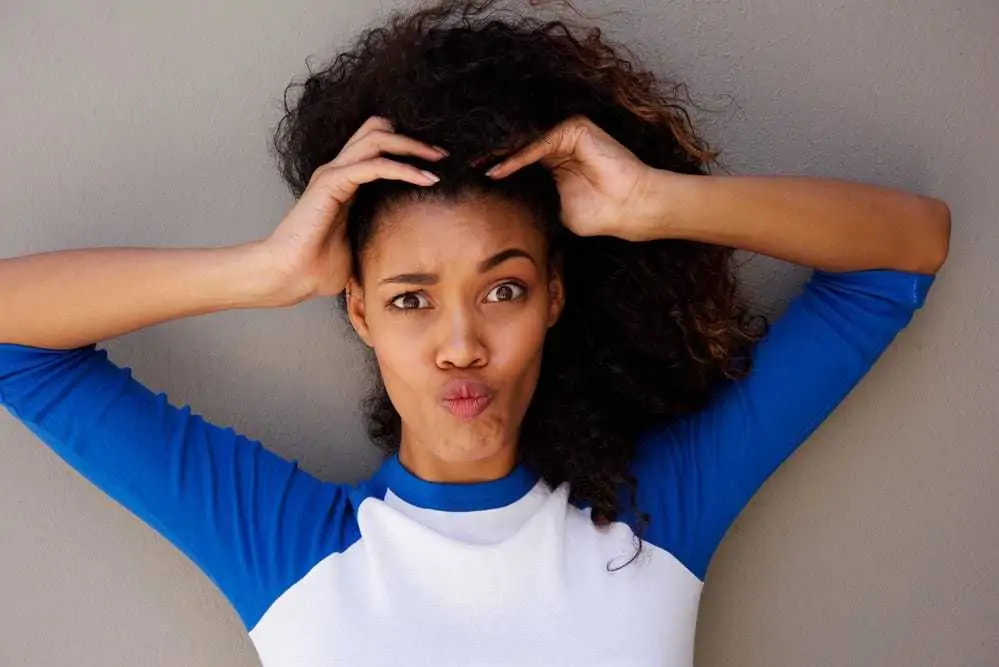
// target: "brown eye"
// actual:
[[506, 292], [408, 301]]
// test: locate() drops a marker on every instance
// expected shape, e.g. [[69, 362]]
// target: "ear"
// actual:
[[355, 310], [556, 291]]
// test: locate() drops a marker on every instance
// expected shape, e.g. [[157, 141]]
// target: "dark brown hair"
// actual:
[[649, 329]]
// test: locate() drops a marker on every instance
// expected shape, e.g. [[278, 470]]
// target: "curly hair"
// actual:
[[648, 329]]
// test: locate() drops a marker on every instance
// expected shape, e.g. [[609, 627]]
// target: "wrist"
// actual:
[[667, 199], [262, 281]]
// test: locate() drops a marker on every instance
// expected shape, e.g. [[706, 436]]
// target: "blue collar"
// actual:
[[454, 496]]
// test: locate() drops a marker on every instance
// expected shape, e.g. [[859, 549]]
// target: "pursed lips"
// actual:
[[466, 399]]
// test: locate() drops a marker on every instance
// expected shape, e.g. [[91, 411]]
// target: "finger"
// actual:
[[380, 141], [341, 183], [553, 147], [478, 160], [371, 124], [533, 152]]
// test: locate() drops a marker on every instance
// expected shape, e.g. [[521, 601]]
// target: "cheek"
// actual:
[[517, 343], [518, 340], [400, 347], [404, 369]]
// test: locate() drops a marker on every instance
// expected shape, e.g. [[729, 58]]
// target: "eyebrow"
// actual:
[[484, 265]]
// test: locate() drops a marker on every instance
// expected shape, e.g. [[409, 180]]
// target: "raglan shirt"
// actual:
[[399, 570]]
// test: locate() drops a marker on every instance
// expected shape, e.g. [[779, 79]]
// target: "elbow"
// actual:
[[936, 246]]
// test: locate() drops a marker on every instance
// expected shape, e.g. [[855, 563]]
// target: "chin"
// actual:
[[471, 444], [467, 449]]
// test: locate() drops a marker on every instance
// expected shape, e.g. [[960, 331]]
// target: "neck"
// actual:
[[427, 465]]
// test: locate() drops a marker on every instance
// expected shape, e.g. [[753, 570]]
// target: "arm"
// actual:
[[700, 471], [251, 520], [822, 223], [71, 298]]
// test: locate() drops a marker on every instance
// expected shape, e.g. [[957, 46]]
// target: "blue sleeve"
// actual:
[[252, 521], [696, 474]]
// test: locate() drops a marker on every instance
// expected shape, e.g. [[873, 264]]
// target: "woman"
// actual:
[[574, 401]]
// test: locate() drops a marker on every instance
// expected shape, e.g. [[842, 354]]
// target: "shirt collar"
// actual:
[[454, 496]]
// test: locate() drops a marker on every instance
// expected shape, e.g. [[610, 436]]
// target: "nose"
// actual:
[[461, 344]]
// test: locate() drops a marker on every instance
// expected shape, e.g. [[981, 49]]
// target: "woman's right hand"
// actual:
[[308, 251]]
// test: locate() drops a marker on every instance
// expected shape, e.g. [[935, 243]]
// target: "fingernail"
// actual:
[[492, 171], [440, 150], [432, 177]]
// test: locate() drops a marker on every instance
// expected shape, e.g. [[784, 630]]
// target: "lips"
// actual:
[[466, 399]]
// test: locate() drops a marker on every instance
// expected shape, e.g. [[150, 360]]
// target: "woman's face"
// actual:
[[456, 300]]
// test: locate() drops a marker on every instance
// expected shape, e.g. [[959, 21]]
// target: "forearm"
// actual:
[[822, 223], [70, 298]]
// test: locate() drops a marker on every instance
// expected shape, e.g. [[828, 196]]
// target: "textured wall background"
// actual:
[[146, 124]]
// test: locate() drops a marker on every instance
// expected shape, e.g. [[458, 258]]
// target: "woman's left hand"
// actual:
[[604, 187]]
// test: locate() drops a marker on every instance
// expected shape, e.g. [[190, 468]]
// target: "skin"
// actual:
[[459, 323]]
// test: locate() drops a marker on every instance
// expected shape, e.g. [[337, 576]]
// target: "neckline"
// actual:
[[454, 496]]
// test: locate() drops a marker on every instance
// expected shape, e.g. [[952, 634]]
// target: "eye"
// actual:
[[409, 301], [507, 292]]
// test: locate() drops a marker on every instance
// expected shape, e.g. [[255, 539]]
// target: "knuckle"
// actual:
[[578, 123], [383, 164], [324, 175], [316, 175]]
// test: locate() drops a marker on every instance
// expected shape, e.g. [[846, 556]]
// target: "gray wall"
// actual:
[[146, 124]]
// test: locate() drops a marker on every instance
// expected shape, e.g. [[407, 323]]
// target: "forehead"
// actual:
[[434, 235]]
